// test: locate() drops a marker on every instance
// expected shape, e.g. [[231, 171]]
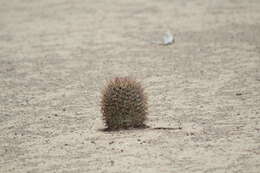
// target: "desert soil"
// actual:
[[55, 57]]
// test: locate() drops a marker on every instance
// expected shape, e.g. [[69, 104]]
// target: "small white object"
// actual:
[[168, 38]]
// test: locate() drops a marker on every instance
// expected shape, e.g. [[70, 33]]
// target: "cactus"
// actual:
[[124, 104]]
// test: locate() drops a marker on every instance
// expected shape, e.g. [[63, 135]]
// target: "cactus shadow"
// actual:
[[124, 129]]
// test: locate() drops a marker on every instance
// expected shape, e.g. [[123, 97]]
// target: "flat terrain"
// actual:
[[56, 55]]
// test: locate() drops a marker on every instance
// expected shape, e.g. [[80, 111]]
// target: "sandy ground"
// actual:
[[55, 57]]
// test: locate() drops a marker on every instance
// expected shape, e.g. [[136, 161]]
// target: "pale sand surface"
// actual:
[[55, 56]]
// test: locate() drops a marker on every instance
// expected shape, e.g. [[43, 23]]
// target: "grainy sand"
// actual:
[[55, 56]]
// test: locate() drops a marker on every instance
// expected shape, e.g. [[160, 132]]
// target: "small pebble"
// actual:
[[112, 162]]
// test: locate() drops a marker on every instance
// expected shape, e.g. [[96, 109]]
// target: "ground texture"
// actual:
[[55, 57]]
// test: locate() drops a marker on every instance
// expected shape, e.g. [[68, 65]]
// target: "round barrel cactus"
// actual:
[[124, 104]]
